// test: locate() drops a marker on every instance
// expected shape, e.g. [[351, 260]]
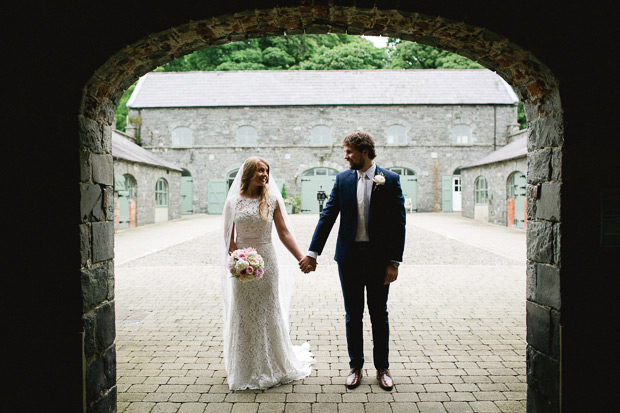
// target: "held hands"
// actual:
[[307, 264]]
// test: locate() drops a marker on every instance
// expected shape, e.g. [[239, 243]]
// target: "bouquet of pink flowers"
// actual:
[[246, 264]]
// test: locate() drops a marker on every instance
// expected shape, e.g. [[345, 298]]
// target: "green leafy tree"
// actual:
[[269, 53], [409, 55], [276, 58], [348, 56], [121, 108]]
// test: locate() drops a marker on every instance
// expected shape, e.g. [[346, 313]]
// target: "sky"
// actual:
[[378, 41]]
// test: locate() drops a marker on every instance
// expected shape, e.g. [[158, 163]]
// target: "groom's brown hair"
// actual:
[[361, 141]]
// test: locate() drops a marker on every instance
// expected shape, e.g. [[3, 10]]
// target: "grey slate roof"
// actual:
[[321, 87], [123, 148], [515, 149]]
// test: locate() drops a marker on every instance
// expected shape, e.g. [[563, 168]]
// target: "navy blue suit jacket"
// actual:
[[386, 222]]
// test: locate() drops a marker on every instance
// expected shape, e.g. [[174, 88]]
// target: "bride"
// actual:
[[258, 352]]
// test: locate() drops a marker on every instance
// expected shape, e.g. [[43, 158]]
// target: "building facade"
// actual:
[[147, 189], [495, 186], [427, 124]]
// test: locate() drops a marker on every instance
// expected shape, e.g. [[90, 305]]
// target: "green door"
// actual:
[[310, 186], [279, 183], [519, 188], [446, 193], [187, 193], [409, 185], [216, 195]]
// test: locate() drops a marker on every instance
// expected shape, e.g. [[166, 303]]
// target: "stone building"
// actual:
[[426, 123], [495, 186], [147, 189], [58, 258]]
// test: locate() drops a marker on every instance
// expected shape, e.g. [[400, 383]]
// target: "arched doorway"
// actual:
[[161, 200], [516, 212], [187, 193], [481, 199], [125, 191], [535, 84], [409, 185], [312, 181], [230, 177], [451, 192], [217, 189], [457, 190]]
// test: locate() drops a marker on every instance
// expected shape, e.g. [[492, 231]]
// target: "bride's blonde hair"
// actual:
[[249, 169]]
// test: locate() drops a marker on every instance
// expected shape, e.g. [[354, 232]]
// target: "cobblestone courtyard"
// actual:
[[457, 323]]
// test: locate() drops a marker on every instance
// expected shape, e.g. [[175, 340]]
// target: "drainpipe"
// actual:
[[494, 127]]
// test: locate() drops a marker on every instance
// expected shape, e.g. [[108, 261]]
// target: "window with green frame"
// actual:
[[161, 193], [481, 190]]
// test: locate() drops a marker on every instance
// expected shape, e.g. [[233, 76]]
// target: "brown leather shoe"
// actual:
[[354, 378], [385, 379]]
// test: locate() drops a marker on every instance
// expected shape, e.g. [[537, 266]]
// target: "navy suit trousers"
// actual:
[[359, 273]]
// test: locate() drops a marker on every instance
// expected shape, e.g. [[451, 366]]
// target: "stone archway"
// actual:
[[532, 81]]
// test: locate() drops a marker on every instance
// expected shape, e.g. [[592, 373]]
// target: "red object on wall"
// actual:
[[511, 212], [132, 213]]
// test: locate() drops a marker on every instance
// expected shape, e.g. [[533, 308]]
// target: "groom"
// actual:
[[369, 250]]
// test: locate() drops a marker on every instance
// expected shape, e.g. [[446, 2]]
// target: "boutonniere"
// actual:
[[379, 180]]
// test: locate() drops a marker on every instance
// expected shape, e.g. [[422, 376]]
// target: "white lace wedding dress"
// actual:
[[260, 352]]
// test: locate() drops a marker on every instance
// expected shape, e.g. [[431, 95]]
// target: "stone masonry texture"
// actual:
[[284, 140], [144, 178]]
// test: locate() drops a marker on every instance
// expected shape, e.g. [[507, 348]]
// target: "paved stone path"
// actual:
[[457, 319]]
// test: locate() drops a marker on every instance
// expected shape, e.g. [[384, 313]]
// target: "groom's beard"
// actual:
[[356, 166]]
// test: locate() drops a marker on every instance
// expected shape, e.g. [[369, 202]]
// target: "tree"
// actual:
[[120, 114], [348, 56], [276, 58], [409, 55], [269, 53]]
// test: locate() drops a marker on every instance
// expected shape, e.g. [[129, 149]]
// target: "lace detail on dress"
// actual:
[[260, 353]]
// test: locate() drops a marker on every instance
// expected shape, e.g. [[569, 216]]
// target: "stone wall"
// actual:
[[145, 177], [497, 175], [97, 271], [284, 140]]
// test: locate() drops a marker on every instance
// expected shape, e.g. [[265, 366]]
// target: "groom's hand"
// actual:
[[391, 274], [307, 264]]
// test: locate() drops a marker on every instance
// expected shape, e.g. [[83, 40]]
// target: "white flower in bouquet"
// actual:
[[246, 264]]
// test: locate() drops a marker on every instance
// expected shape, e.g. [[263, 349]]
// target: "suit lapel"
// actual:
[[372, 193], [351, 185], [372, 196]]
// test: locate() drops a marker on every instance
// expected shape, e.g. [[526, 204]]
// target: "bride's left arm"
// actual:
[[285, 235]]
